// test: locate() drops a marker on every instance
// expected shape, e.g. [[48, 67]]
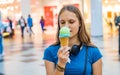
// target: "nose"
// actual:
[[67, 24]]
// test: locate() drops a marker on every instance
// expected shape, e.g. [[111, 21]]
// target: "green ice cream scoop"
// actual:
[[64, 32]]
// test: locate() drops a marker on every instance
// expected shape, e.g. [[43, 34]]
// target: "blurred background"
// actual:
[[23, 56]]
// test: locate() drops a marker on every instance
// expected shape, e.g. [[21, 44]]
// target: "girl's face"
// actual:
[[70, 19]]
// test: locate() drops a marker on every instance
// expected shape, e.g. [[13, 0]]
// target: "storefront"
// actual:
[[50, 9]]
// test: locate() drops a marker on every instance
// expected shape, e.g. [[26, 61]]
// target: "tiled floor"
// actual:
[[24, 56]]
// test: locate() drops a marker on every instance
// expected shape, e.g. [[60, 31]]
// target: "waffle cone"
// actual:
[[64, 41]]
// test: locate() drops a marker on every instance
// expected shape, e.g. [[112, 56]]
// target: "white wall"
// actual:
[[96, 18]]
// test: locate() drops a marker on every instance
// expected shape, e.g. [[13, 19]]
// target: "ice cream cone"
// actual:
[[64, 36], [64, 41]]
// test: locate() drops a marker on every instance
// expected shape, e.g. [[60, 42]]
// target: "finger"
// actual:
[[63, 52], [60, 50], [65, 55], [66, 51]]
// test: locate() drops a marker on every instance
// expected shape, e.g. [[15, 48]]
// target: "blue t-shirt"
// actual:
[[76, 65], [29, 21]]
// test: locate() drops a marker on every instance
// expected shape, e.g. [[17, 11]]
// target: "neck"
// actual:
[[73, 41]]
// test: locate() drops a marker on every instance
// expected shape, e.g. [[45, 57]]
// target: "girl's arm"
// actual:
[[97, 67], [51, 68]]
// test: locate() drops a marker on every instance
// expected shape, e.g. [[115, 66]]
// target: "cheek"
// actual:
[[74, 31]]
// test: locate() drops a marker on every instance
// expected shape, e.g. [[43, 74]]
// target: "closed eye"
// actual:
[[71, 21], [62, 22]]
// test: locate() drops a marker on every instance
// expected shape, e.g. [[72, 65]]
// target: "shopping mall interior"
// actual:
[[50, 8], [23, 56]]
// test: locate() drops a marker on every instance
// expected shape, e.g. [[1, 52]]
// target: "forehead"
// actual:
[[67, 15]]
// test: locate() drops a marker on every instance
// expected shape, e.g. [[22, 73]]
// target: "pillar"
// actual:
[[25, 8], [96, 18]]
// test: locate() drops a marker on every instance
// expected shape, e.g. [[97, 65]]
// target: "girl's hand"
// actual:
[[63, 56]]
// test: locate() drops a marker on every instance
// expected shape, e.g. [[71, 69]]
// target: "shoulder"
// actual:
[[52, 47], [50, 52], [94, 53], [31, 18], [93, 50]]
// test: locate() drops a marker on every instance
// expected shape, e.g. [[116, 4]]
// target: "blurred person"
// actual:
[[22, 25], [117, 22], [30, 24], [109, 23], [42, 22], [84, 59], [115, 19], [1, 38], [10, 22], [118, 26]]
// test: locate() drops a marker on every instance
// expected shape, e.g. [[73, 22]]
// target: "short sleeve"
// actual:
[[48, 55], [96, 55]]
